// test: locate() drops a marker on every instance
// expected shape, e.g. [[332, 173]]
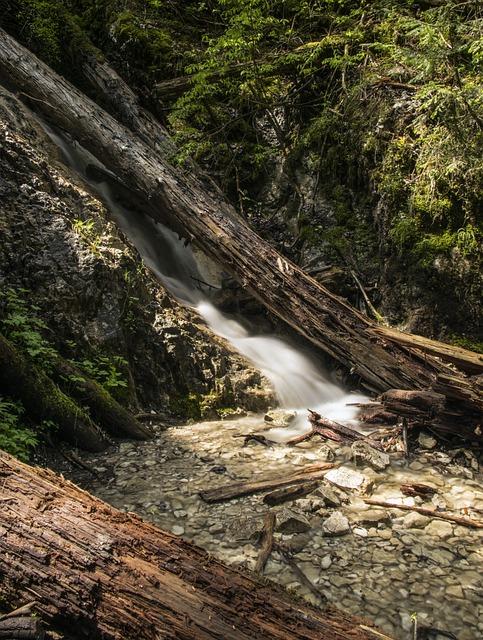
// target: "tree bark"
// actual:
[[101, 574], [187, 205], [105, 410], [43, 400]]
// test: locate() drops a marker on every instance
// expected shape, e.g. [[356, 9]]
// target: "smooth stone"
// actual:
[[374, 516], [415, 520], [345, 478], [426, 440], [177, 530], [325, 562], [455, 591], [336, 524], [439, 529], [360, 531]]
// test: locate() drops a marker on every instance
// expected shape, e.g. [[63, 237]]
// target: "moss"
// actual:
[[186, 407], [466, 343]]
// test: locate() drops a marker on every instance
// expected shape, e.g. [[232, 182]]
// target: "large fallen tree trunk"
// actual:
[[98, 573], [185, 202]]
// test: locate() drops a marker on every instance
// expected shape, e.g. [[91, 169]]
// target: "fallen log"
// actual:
[[239, 489], [43, 400], [267, 541], [290, 493], [105, 410], [101, 574], [432, 513], [185, 202], [21, 628]]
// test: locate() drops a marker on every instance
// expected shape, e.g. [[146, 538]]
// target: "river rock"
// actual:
[[245, 528], [415, 520], [279, 417], [374, 517], [363, 453], [426, 440], [439, 529], [336, 524], [329, 496], [345, 478], [290, 521]]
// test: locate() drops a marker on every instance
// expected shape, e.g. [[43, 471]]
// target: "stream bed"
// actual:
[[386, 564]]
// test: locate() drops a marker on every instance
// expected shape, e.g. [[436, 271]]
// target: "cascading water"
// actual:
[[298, 385]]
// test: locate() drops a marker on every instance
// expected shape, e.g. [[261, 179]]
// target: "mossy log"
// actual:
[[105, 410], [43, 400], [99, 573], [191, 206]]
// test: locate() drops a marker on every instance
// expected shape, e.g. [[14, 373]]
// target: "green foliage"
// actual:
[[107, 370], [15, 437], [86, 229], [20, 322]]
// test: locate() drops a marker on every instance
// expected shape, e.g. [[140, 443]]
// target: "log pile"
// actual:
[[99, 573]]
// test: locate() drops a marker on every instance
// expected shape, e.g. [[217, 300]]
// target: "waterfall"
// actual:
[[297, 383]]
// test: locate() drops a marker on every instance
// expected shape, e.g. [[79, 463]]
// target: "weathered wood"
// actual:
[[238, 489], [466, 360], [267, 541], [432, 513], [43, 400], [105, 575], [320, 424], [290, 493], [22, 628], [205, 217]]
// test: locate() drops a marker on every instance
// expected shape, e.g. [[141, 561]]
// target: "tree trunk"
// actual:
[[43, 400], [99, 573], [105, 410], [188, 205]]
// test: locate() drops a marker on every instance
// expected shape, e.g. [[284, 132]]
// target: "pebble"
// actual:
[[177, 530]]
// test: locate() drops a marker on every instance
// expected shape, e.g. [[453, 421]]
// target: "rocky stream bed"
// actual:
[[390, 565]]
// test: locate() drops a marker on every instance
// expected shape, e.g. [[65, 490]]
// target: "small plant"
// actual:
[[15, 437], [106, 370], [23, 327], [86, 230]]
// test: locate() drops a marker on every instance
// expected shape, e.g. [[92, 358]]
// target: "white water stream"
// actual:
[[297, 383]]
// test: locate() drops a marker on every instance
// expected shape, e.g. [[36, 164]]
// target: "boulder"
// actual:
[[290, 521]]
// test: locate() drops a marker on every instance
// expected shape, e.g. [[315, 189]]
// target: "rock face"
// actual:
[[363, 453], [92, 290]]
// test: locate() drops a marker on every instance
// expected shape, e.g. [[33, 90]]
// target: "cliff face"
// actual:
[[61, 253]]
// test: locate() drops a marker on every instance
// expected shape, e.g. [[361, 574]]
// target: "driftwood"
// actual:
[[286, 556], [101, 574], [290, 493], [190, 205], [432, 513], [238, 489], [332, 431], [43, 400], [266, 541], [417, 489]]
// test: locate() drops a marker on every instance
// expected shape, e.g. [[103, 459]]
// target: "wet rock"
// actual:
[[374, 517], [280, 418], [426, 440], [439, 529], [336, 524], [329, 496], [415, 520], [290, 521], [245, 528], [177, 530], [363, 453], [345, 478]]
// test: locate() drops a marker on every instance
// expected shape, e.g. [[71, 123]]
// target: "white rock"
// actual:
[[415, 520], [177, 530], [345, 478], [336, 524], [326, 562], [360, 531]]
